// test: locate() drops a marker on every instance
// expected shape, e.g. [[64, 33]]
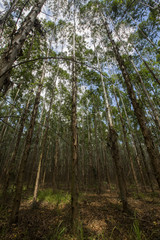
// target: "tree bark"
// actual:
[[21, 172], [54, 180], [43, 149], [113, 141], [151, 103], [74, 166], [127, 145], [14, 153], [151, 147], [97, 155]]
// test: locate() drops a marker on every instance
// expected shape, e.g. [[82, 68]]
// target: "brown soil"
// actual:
[[101, 217]]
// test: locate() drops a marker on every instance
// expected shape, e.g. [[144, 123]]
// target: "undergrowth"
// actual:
[[54, 197], [57, 197]]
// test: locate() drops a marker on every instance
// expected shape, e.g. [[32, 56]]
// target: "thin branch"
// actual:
[[59, 58], [7, 124], [149, 5], [9, 116], [47, 14]]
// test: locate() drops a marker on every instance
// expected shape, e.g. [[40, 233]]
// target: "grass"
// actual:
[[137, 234], [136, 230], [59, 233], [58, 197]]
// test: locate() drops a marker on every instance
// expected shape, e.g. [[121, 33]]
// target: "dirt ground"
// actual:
[[101, 218]]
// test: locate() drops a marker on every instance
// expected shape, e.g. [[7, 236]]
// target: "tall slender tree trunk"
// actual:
[[146, 166], [38, 140], [151, 147], [137, 153], [43, 149], [113, 140], [90, 156], [151, 103], [97, 155], [74, 186], [127, 145], [11, 161], [54, 179], [23, 163], [45, 163], [74, 166], [5, 126], [106, 172]]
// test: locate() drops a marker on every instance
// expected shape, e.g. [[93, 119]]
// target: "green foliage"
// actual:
[[58, 233], [80, 232], [58, 197], [136, 230]]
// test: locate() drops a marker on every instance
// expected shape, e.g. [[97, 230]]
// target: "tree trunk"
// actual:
[[38, 141], [97, 155], [127, 145], [45, 164], [90, 156], [74, 187], [137, 153], [11, 162], [113, 141], [55, 165], [151, 103], [151, 147], [21, 172], [4, 128], [43, 149], [146, 166], [119, 171], [74, 166]]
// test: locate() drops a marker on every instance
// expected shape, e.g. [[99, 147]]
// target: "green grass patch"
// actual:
[[58, 197]]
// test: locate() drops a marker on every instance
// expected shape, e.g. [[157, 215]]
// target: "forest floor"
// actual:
[[101, 218]]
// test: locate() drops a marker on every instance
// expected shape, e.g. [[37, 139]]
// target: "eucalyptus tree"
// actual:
[[82, 96], [113, 139], [149, 140], [11, 162], [20, 177], [126, 143], [45, 135], [142, 84], [18, 93], [134, 141], [74, 181]]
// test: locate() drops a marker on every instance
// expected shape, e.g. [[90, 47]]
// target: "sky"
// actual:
[[48, 11]]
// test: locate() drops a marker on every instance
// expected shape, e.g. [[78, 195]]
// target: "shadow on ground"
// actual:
[[101, 217]]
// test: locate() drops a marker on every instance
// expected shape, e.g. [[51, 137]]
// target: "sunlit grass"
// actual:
[[58, 197]]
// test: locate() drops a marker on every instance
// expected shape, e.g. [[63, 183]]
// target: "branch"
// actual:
[[58, 58], [7, 124], [9, 116]]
